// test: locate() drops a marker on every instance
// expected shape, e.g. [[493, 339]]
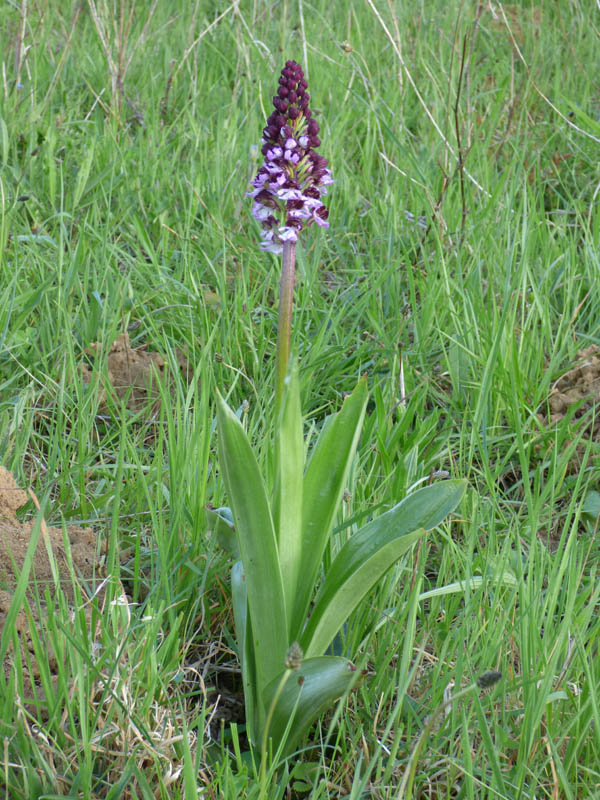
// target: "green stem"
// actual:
[[284, 327], [265, 736]]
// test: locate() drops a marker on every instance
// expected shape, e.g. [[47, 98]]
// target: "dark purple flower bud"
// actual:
[[315, 141], [294, 113], [283, 92], [312, 128], [265, 199], [292, 97]]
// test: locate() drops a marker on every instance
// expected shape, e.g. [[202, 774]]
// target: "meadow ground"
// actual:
[[460, 274]]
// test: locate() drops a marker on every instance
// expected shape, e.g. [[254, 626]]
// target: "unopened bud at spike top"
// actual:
[[288, 188]]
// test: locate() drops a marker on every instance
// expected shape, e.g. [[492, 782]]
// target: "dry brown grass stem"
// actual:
[[20, 45], [114, 33], [396, 45], [198, 38]]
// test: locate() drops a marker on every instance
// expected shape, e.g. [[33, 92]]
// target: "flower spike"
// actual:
[[287, 189]]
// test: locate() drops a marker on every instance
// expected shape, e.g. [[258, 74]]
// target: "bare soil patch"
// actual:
[[579, 386], [131, 374], [15, 538], [576, 394]]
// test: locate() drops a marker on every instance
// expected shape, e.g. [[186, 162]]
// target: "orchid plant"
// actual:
[[288, 608], [287, 192]]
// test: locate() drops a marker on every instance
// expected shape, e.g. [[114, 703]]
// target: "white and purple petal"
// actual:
[[287, 234]]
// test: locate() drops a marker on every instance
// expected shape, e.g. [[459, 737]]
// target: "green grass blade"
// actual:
[[257, 544], [370, 553], [324, 483], [23, 583]]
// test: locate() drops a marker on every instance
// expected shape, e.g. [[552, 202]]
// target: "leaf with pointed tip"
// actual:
[[257, 545], [368, 554], [324, 483], [307, 694]]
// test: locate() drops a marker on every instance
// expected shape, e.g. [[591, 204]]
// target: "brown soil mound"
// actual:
[[130, 374], [577, 394], [15, 538], [580, 385]]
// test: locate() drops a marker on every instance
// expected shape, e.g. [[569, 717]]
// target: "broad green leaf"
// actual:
[[368, 554], [220, 522], [590, 508], [307, 694], [257, 545], [245, 651], [324, 484], [288, 492]]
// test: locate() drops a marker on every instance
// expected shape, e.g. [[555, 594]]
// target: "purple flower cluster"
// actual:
[[287, 189]]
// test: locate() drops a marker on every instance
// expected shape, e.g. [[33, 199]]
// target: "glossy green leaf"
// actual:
[[324, 483], [256, 543], [307, 694], [368, 554], [288, 493]]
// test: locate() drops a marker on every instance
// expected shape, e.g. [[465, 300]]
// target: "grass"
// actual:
[[460, 273]]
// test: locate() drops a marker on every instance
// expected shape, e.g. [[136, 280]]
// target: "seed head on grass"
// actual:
[[293, 659], [489, 678], [288, 187]]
